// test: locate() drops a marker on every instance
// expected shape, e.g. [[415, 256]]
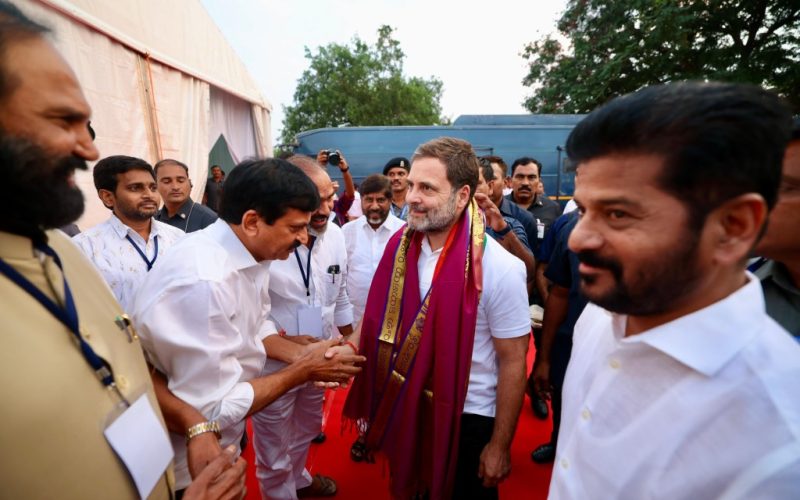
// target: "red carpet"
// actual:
[[356, 481]]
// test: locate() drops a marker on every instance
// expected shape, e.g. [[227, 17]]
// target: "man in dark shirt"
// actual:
[[525, 178], [213, 191], [564, 306], [511, 210], [780, 276], [179, 210], [506, 207]]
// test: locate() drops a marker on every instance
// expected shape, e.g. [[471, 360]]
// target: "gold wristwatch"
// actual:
[[202, 428]]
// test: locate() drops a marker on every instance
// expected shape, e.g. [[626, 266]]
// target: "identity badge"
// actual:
[[141, 442], [309, 320]]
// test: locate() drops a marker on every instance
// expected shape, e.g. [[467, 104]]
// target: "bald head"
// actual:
[[310, 167], [321, 179]]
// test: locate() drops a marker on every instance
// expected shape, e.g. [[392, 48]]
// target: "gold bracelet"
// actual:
[[202, 428]]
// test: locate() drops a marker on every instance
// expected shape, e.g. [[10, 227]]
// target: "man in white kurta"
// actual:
[[366, 238], [204, 312], [207, 357], [679, 384], [309, 299]]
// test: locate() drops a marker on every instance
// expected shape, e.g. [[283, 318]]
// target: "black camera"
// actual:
[[334, 158]]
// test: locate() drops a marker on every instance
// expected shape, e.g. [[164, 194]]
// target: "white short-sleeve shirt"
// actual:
[[502, 313]]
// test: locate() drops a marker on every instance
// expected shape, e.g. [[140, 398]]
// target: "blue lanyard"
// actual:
[[306, 274], [142, 254], [68, 315]]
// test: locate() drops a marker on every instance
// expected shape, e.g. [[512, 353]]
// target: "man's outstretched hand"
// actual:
[[222, 479]]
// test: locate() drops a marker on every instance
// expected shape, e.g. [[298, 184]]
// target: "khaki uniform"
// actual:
[[54, 409]]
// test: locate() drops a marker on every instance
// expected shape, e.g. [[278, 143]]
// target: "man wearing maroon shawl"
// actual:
[[445, 332]]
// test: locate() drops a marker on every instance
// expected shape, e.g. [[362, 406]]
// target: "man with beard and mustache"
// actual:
[[366, 238], [204, 312], [179, 210], [309, 303], [126, 246], [68, 368], [679, 385], [446, 326], [396, 170]]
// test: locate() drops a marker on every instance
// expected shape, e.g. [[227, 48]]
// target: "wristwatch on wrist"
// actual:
[[202, 428], [343, 170], [503, 231]]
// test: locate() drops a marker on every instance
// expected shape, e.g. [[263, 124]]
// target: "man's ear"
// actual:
[[736, 226], [107, 197], [462, 196], [249, 223]]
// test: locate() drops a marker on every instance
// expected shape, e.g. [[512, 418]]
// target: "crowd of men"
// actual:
[[137, 349]]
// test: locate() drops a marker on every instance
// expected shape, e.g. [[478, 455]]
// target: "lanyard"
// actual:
[[68, 315], [306, 273], [142, 254]]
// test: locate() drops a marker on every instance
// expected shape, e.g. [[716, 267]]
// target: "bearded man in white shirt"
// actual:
[[679, 384], [447, 329], [366, 238], [203, 314], [126, 246], [309, 303]]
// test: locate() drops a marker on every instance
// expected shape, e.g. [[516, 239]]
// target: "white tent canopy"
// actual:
[[162, 82]]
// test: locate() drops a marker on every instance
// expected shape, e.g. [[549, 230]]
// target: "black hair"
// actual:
[[376, 183], [169, 161], [269, 186], [524, 161], [106, 170], [14, 26], [499, 161], [486, 168], [718, 140]]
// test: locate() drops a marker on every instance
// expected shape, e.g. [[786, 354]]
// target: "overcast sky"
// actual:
[[472, 46]]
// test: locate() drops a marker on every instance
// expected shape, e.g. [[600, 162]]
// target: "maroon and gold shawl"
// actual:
[[411, 393]]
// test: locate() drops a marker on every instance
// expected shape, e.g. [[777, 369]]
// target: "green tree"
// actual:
[[361, 85], [618, 46]]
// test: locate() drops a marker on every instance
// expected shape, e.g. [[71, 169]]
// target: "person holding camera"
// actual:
[[343, 204]]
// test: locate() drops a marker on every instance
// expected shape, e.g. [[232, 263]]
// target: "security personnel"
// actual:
[[179, 209]]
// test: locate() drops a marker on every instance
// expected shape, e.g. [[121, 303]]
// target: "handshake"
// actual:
[[328, 363]]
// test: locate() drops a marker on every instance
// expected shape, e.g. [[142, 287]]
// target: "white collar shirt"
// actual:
[[118, 261], [705, 406], [203, 325], [502, 314], [327, 288], [365, 247]]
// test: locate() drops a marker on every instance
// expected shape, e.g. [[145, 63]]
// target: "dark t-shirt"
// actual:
[[562, 270], [189, 218], [510, 209], [545, 211]]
